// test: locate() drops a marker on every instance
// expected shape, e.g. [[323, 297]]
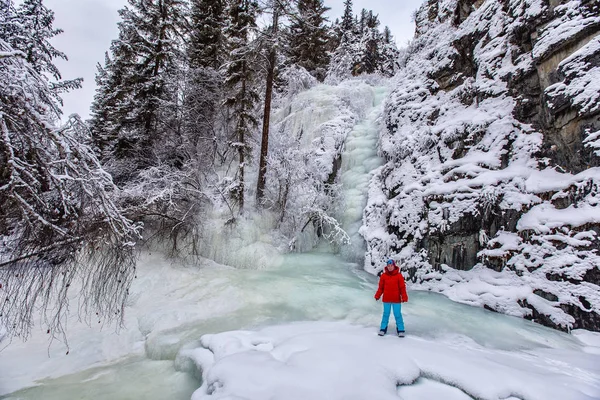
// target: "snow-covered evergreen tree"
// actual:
[[207, 43], [342, 63], [347, 23], [32, 36], [362, 47], [101, 108], [241, 93], [390, 55], [155, 110], [134, 109], [277, 7], [309, 37], [28, 29], [369, 57], [206, 55], [342, 58]]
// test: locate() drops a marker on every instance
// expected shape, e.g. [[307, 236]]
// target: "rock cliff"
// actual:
[[492, 139]]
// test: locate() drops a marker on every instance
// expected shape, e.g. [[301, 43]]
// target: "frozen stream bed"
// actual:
[[303, 330]]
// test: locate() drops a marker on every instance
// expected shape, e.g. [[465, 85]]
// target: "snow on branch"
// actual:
[[330, 227], [60, 225]]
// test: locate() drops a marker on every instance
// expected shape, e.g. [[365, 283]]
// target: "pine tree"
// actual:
[[112, 105], [347, 19], [141, 88], [206, 55], [35, 33], [362, 21], [273, 38], [206, 43], [10, 29], [370, 57], [29, 29], [309, 37], [239, 76], [342, 30], [363, 48], [389, 54], [101, 106], [343, 55], [6, 11]]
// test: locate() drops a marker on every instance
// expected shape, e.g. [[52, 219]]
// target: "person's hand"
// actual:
[[376, 299]]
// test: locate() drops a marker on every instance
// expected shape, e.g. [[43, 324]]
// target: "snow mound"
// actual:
[[337, 360]]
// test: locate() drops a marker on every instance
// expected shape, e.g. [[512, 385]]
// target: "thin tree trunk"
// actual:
[[264, 147], [242, 141]]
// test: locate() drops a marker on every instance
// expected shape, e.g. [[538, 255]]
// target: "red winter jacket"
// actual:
[[392, 286]]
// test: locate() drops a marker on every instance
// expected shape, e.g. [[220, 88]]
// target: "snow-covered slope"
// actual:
[[490, 192]]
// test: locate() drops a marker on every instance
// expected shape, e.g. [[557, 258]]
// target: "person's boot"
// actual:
[[400, 333], [382, 332]]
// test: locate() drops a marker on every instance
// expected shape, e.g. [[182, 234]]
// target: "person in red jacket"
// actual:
[[393, 289]]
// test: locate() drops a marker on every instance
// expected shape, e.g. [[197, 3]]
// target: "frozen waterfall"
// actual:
[[359, 160]]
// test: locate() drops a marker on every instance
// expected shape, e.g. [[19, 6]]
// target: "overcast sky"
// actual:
[[90, 25]]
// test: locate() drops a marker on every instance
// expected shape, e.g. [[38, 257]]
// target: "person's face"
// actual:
[[390, 267]]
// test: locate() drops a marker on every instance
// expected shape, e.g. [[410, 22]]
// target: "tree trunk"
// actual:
[[264, 147], [242, 141]]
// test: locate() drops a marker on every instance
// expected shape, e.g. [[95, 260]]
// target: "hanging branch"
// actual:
[[59, 224]]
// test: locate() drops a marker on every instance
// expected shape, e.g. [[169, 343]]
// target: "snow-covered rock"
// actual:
[[491, 137]]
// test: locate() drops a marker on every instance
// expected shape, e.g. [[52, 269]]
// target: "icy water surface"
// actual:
[[174, 306]]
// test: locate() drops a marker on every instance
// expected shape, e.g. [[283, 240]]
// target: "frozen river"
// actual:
[[448, 344]]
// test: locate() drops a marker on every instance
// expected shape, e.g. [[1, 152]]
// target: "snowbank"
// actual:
[[326, 360]]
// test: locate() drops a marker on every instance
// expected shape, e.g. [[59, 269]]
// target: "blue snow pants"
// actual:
[[397, 307]]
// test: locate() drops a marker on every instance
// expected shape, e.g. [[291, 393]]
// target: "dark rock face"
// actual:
[[546, 295], [456, 249], [563, 120], [488, 189], [460, 244], [462, 65]]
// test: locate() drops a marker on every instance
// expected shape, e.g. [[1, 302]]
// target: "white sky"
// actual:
[[90, 26]]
